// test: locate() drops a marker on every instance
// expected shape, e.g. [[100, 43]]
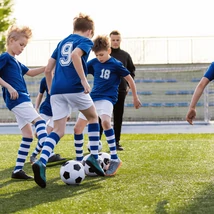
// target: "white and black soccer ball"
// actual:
[[88, 170], [106, 157], [99, 147], [72, 172]]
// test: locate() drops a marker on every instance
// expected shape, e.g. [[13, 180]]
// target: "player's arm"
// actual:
[[36, 71], [77, 62], [191, 114], [49, 72], [132, 85], [38, 101], [13, 93]]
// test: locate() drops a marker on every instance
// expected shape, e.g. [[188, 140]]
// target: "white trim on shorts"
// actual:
[[25, 113], [64, 104], [102, 107]]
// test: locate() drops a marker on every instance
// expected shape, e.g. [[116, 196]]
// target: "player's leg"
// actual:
[[78, 136], [26, 114], [54, 159], [104, 109], [101, 128], [38, 148], [60, 110], [118, 118], [23, 151], [87, 108]]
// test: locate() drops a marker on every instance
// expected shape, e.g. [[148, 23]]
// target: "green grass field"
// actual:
[[161, 173]]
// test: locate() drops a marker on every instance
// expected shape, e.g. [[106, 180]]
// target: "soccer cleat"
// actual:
[[113, 167], [119, 147], [56, 159], [95, 165], [39, 173], [33, 159], [21, 175]]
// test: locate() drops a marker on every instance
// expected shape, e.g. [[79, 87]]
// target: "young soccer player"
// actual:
[[45, 111], [16, 96], [107, 72], [205, 80], [70, 91], [118, 109]]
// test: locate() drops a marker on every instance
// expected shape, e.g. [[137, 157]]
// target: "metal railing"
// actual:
[[144, 50]]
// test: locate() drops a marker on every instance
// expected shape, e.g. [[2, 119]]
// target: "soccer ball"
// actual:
[[88, 170], [106, 160], [99, 147], [72, 172]]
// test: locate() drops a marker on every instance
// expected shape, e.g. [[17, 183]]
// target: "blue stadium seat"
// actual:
[[185, 92], [159, 81], [156, 104], [170, 92], [199, 104], [141, 93], [170, 104], [183, 104], [147, 80], [195, 79], [171, 80]]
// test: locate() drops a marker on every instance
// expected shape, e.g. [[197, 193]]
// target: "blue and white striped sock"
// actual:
[[110, 137], [49, 144], [41, 132], [78, 144], [94, 137], [22, 153]]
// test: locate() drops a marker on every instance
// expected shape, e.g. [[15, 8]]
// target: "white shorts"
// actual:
[[64, 104], [25, 113], [48, 120], [102, 107]]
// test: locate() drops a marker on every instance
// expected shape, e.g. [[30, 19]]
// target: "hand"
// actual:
[[87, 87], [137, 103], [191, 114], [13, 93]]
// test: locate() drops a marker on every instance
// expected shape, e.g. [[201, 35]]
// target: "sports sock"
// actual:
[[111, 143], [78, 144], [48, 147], [41, 132], [94, 136], [37, 150], [22, 153]]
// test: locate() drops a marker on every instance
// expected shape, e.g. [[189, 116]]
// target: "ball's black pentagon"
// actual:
[[66, 175], [77, 167], [78, 180]]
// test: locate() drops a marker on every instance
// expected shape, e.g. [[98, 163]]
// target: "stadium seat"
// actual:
[[170, 92], [170, 104]]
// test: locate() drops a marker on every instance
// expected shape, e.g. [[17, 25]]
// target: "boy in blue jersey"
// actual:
[[45, 112], [16, 96], [107, 72], [69, 91], [205, 80]]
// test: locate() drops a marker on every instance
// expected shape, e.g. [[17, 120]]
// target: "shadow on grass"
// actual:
[[18, 201], [21, 200], [203, 203]]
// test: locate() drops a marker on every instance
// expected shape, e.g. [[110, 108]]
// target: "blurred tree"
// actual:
[[5, 20]]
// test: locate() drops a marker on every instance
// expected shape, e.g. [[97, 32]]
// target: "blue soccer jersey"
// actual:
[[45, 107], [209, 74], [107, 77], [12, 72], [66, 79]]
